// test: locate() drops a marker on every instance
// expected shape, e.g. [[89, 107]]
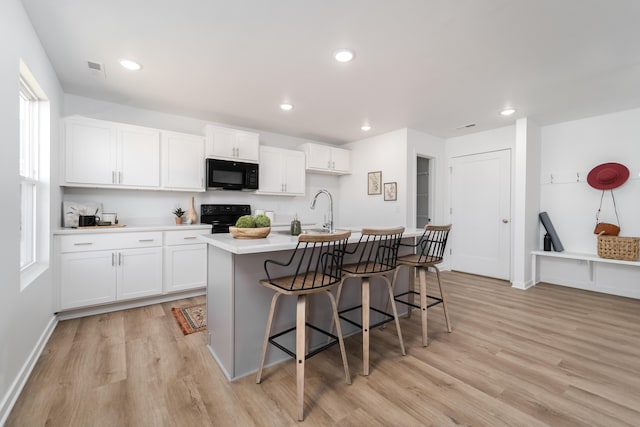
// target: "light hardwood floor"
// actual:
[[546, 356]]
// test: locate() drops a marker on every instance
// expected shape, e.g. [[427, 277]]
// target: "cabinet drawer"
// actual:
[[183, 237], [97, 242]]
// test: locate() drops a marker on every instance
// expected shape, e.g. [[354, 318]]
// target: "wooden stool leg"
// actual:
[[391, 297], [423, 303], [395, 315], [337, 300], [336, 319], [265, 343], [412, 287], [365, 325], [444, 301], [301, 319]]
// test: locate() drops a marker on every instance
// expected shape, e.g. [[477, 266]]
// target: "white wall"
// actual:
[[26, 316], [569, 151], [386, 153], [136, 207]]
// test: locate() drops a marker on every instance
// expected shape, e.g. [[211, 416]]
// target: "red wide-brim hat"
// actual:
[[608, 176]]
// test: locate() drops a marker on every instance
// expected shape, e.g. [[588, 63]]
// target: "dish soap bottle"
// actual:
[[296, 228]]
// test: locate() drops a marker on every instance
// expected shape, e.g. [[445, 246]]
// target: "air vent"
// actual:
[[470, 125], [96, 69]]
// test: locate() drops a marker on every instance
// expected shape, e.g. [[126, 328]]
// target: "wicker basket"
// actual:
[[616, 247]]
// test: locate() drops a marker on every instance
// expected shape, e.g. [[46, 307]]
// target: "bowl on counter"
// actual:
[[249, 233]]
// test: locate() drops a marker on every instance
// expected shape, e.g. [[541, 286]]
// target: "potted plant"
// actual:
[[178, 212]]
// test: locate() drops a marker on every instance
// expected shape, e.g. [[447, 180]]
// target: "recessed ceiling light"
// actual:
[[366, 127], [286, 106], [343, 55], [130, 65], [508, 112]]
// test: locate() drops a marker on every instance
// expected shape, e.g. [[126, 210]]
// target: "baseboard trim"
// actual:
[[522, 285], [101, 309], [19, 382]]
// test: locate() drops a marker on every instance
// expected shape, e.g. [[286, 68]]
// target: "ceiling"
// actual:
[[430, 65]]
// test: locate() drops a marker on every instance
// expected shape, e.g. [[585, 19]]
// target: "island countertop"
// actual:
[[277, 240]]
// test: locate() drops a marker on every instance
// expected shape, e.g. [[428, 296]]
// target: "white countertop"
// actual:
[[275, 241], [129, 229]]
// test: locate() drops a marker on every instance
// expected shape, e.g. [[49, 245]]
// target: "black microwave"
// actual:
[[230, 175]]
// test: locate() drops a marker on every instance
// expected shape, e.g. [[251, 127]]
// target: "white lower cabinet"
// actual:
[[103, 268], [87, 278], [185, 261]]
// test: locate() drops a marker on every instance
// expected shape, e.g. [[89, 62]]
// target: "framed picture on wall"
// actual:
[[390, 191], [374, 183]]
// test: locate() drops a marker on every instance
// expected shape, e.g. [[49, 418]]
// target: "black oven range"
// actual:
[[221, 217]]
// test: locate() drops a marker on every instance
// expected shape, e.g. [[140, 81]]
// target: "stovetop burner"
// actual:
[[221, 217]]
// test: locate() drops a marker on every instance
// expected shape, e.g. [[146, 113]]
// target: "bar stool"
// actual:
[[429, 253], [316, 264], [376, 254]]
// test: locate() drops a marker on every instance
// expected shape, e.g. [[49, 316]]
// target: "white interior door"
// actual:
[[480, 214]]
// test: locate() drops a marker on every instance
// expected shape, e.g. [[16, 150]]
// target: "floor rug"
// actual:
[[192, 318]]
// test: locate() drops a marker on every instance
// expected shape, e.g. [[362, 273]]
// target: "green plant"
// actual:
[[262, 221], [246, 221], [178, 212]]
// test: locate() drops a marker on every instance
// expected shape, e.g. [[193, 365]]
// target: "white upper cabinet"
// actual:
[[182, 161], [90, 152], [326, 159], [138, 156], [281, 172], [231, 144], [100, 153]]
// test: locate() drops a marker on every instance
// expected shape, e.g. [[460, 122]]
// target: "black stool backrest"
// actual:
[[316, 262], [376, 251], [433, 242]]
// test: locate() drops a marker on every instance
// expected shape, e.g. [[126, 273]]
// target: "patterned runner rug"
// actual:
[[192, 318]]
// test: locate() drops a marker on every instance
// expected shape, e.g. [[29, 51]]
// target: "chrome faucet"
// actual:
[[313, 206]]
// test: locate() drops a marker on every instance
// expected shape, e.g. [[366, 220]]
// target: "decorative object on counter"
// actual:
[[88, 220], [547, 242], [248, 227], [191, 217], [296, 227], [390, 191], [72, 211], [178, 212], [110, 217], [555, 240], [192, 318], [259, 212], [374, 183]]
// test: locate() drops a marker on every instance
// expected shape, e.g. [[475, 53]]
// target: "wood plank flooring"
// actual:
[[550, 356]]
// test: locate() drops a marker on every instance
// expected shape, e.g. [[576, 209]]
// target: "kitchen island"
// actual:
[[237, 305]]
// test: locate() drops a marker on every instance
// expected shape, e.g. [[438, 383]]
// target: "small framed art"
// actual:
[[374, 183], [390, 191]]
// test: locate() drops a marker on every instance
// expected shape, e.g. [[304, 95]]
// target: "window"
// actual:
[[34, 179]]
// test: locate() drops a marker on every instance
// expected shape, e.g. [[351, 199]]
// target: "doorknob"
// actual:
[[506, 221]]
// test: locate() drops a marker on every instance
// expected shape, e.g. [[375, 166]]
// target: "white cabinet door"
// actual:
[[139, 156], [87, 278], [341, 160], [270, 171], [231, 144], [139, 273], [90, 152], [281, 172], [326, 159], [247, 146], [294, 173], [182, 161], [318, 156], [185, 267]]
